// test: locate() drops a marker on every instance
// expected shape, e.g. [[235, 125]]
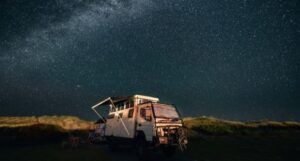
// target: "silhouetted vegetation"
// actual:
[[39, 130], [213, 126], [65, 122], [48, 129]]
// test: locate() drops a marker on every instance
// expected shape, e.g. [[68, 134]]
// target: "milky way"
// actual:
[[228, 59]]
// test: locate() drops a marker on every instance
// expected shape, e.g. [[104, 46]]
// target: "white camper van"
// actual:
[[143, 121]]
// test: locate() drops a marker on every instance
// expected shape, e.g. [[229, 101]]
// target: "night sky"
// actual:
[[223, 58]]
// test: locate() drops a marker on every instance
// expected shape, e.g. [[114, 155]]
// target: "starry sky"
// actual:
[[229, 59]]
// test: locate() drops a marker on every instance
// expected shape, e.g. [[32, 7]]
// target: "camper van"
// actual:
[[143, 121]]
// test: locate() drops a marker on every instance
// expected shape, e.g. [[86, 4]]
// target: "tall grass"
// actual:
[[213, 126], [43, 129], [64, 122], [55, 128]]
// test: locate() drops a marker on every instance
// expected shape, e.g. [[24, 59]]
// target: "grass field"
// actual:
[[63, 122], [213, 126], [210, 139]]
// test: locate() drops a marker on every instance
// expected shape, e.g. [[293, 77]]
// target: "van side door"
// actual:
[[145, 120]]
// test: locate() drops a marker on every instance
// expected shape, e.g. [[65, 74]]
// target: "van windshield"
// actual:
[[165, 111]]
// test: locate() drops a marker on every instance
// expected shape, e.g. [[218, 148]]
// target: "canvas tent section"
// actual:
[[113, 101], [119, 103]]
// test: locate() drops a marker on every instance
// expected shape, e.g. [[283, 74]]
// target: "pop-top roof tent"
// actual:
[[114, 100]]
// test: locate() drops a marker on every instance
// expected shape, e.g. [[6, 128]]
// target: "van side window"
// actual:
[[120, 106], [126, 104], [145, 113], [131, 102], [111, 108], [130, 113]]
